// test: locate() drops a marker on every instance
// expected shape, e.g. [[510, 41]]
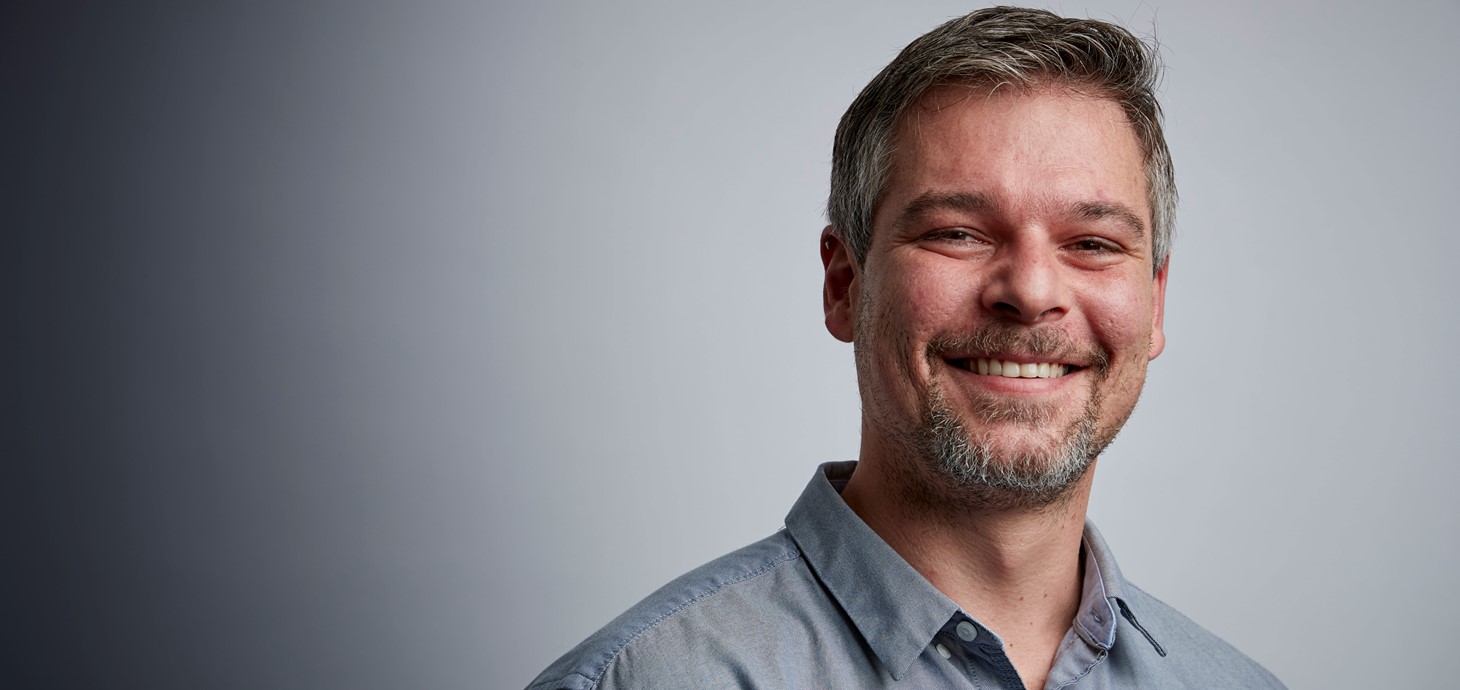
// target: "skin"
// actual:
[[1022, 211]]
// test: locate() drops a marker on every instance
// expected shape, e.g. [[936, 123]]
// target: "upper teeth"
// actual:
[[1017, 370]]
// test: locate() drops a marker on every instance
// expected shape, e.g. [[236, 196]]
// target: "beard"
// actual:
[[979, 470], [971, 461]]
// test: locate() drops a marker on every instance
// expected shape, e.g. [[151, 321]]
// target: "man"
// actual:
[[1001, 213]]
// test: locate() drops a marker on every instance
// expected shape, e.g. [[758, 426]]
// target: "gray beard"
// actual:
[[976, 474], [958, 468], [968, 466]]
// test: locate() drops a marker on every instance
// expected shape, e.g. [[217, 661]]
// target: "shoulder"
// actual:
[[1193, 653], [710, 613]]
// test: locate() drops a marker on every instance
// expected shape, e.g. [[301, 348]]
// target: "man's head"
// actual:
[[1001, 202]]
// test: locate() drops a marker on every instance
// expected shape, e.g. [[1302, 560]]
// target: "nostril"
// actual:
[[1006, 308]]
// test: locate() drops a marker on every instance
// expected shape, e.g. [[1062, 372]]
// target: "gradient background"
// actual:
[[362, 346]]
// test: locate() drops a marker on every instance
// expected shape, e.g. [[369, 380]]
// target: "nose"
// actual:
[[1026, 286]]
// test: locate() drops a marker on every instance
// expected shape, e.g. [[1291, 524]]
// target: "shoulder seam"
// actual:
[[1157, 599], [559, 681], [1174, 610], [794, 553]]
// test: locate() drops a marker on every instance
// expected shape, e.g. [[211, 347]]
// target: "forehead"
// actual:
[[1026, 148]]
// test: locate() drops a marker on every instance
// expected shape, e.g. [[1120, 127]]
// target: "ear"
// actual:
[[1158, 311], [839, 293]]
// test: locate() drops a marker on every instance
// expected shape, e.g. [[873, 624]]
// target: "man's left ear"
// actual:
[[1158, 310]]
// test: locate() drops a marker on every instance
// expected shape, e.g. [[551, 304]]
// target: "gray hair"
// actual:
[[990, 48]]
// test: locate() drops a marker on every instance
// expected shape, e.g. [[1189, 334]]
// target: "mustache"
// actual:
[[1048, 342]]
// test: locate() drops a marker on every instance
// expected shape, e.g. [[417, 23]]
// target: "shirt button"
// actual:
[[966, 631], [943, 651]]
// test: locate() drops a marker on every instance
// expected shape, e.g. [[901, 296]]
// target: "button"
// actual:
[[943, 651], [966, 631]]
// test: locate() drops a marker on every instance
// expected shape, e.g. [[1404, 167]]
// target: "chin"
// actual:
[[1006, 464]]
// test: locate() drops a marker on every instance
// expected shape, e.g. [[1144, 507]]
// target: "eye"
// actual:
[[956, 241], [953, 235], [1094, 245], [1096, 252]]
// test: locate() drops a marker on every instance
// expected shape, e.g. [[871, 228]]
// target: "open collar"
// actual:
[[896, 610]]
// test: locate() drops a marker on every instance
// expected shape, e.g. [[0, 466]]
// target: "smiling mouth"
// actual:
[[1014, 370]]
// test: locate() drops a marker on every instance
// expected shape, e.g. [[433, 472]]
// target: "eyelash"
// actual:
[[1093, 245], [1090, 245], [954, 234]]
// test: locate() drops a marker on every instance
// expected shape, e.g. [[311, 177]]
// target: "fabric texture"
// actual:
[[825, 603]]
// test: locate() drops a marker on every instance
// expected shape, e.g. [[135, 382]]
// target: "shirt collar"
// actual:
[[896, 610], [1095, 619]]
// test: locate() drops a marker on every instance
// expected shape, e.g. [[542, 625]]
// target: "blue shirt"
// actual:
[[825, 603]]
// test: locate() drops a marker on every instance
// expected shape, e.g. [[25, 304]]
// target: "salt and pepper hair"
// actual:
[[989, 49]]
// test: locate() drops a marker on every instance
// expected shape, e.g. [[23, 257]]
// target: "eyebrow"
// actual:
[[932, 201], [1120, 213]]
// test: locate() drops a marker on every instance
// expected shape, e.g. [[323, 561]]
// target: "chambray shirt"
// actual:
[[825, 603]]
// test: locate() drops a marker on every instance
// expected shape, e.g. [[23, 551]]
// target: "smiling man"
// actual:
[[1001, 211]]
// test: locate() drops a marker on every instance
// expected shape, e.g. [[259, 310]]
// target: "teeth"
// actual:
[[1016, 370]]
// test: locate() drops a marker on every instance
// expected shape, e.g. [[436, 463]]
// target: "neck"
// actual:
[[1017, 569]]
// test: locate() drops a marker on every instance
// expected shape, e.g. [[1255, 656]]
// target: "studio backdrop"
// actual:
[[403, 345]]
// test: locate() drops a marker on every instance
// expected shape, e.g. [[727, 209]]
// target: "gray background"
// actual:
[[373, 347]]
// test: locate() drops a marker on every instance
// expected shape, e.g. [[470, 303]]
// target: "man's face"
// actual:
[[1006, 310]]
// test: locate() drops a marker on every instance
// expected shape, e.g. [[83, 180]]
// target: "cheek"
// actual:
[[937, 298], [1122, 319], [902, 311]]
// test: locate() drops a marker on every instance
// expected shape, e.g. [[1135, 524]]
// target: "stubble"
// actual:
[[969, 461]]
